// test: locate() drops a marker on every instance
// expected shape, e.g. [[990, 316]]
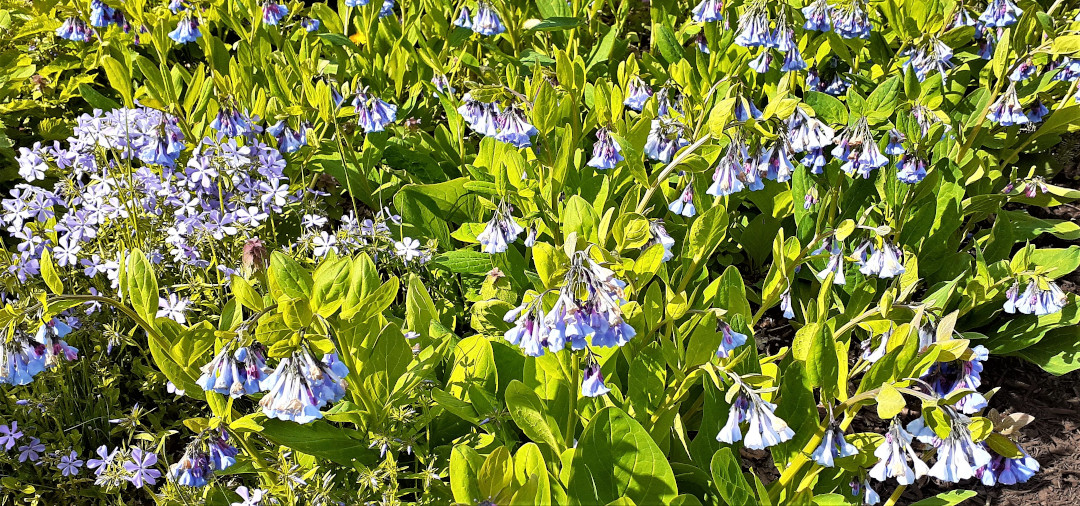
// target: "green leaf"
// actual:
[[707, 232], [465, 465], [950, 498], [1066, 44], [728, 478], [890, 402], [389, 359], [419, 308], [579, 216], [141, 287], [320, 439], [248, 296], [463, 261], [551, 24], [119, 78], [616, 457], [531, 415], [827, 107], [48, 273], [288, 277], [331, 284], [363, 281]]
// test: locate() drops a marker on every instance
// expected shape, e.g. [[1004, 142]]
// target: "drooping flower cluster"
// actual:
[[588, 311], [372, 113], [300, 385], [884, 262], [1035, 300], [607, 153], [958, 456], [949, 377], [764, 428], [500, 231], [485, 23], [235, 373], [858, 150], [23, 357], [489, 119]]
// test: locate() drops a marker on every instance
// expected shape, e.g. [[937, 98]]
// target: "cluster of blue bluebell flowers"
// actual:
[[587, 312], [22, 357]]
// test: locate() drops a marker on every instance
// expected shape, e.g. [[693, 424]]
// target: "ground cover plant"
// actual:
[[530, 252]]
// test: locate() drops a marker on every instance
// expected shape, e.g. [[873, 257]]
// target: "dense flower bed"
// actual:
[[516, 252]]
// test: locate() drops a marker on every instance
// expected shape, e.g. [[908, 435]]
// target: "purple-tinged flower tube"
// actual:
[[709, 11], [301, 385], [730, 173], [851, 21], [893, 455], [500, 231], [222, 454], [793, 61], [764, 428], [1000, 13], [1023, 71], [761, 63], [948, 377], [1035, 300], [836, 261], [729, 339], [862, 488], [1035, 111], [187, 30], [833, 446], [442, 84], [817, 16], [288, 140], [101, 15], [514, 128], [665, 138], [372, 113], [963, 17], [885, 262], [1067, 70], [75, 29], [464, 19], [480, 116], [933, 55], [745, 109], [668, 99], [785, 304], [958, 457], [911, 168], [387, 8], [310, 24], [51, 345], [775, 160], [1007, 110], [1008, 471], [273, 13], [753, 28], [193, 470], [684, 205], [806, 132], [637, 93], [592, 384], [702, 43], [607, 153], [487, 20], [896, 143], [660, 236], [859, 151]]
